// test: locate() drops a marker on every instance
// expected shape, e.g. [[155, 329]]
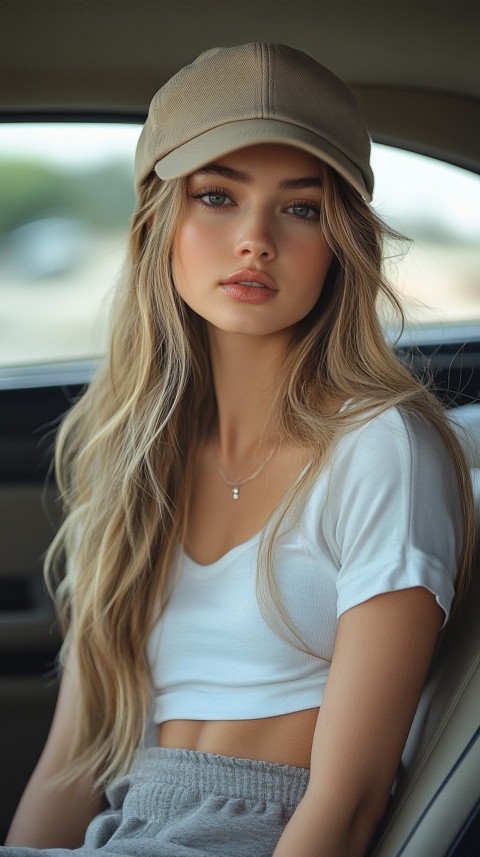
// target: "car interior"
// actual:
[[76, 81]]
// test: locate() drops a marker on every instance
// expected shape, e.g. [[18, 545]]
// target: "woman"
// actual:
[[259, 496]]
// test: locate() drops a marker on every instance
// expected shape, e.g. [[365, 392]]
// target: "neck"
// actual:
[[246, 372]]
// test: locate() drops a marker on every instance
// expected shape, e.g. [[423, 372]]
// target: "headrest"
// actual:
[[466, 422]]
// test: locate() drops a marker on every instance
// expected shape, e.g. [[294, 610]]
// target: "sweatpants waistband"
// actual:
[[231, 777]]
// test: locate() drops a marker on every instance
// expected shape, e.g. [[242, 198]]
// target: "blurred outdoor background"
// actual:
[[66, 199]]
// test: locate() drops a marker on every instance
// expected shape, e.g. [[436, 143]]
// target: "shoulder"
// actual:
[[393, 444], [392, 515], [384, 431], [383, 456], [393, 474]]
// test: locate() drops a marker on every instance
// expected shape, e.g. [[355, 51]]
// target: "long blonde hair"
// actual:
[[125, 452]]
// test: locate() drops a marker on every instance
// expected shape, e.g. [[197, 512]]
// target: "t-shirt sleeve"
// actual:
[[393, 511]]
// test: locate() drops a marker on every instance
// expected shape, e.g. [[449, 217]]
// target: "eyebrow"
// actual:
[[298, 184], [245, 178]]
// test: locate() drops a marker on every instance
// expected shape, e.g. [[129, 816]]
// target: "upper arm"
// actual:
[[393, 522], [393, 513], [393, 526], [61, 731], [382, 653]]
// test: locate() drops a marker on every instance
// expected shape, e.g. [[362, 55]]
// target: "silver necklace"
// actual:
[[235, 484]]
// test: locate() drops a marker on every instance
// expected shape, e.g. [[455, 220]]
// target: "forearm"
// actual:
[[320, 828], [53, 817], [57, 816]]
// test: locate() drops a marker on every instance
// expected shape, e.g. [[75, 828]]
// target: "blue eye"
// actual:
[[213, 198], [216, 198], [305, 211]]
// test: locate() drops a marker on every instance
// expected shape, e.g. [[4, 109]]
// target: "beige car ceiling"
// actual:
[[413, 65]]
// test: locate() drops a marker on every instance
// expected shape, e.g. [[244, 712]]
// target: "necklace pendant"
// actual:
[[235, 486]]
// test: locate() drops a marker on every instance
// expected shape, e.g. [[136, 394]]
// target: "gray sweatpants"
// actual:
[[181, 803]]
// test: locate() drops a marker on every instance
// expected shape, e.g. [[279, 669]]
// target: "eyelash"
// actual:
[[303, 203], [215, 191], [211, 191]]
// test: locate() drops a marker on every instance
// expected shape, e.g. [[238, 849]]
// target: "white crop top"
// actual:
[[383, 516]]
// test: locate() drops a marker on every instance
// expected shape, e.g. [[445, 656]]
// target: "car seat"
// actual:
[[437, 793]]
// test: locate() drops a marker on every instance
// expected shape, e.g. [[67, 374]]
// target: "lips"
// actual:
[[251, 278]]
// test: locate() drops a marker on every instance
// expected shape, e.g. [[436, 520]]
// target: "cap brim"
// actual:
[[228, 138]]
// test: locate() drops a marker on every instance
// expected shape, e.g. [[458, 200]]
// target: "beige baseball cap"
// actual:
[[233, 97]]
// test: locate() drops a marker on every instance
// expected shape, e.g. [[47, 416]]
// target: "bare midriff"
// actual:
[[285, 739]]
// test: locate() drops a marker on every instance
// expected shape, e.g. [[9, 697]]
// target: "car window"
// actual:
[[437, 274], [66, 200]]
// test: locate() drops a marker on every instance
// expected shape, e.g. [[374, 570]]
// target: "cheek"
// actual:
[[194, 251], [185, 257], [325, 261], [194, 244], [315, 259], [183, 247]]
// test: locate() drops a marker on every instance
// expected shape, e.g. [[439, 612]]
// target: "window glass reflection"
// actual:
[[66, 201]]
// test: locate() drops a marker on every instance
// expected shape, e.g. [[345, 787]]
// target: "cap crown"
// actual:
[[251, 82]]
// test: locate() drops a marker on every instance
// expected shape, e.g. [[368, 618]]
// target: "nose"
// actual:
[[255, 238]]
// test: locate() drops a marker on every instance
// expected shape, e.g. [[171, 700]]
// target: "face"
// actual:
[[249, 255]]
